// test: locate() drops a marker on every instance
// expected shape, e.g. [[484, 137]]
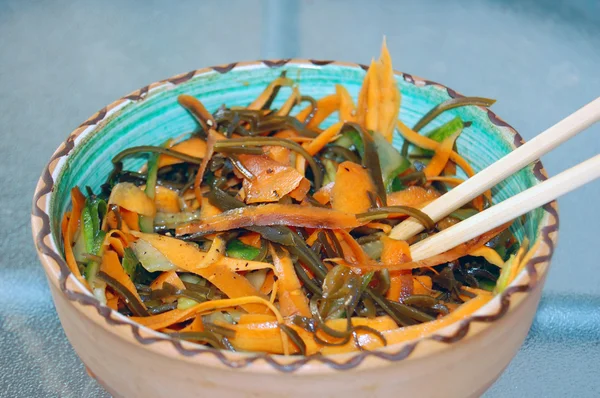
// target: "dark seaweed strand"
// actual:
[[294, 337], [130, 300], [157, 149], [313, 103], [273, 95]]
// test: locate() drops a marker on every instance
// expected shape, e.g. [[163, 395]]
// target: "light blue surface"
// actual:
[[61, 61]]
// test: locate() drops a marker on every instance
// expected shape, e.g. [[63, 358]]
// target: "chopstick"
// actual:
[[501, 169], [508, 210]]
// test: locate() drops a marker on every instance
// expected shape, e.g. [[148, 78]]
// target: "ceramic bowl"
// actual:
[[460, 360]]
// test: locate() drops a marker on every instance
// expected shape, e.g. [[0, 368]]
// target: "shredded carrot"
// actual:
[[130, 197], [325, 107], [350, 193], [267, 286], [262, 99], [193, 146], [389, 101], [441, 157], [271, 214], [166, 200], [292, 300], [489, 254], [251, 239], [323, 195], [413, 196], [386, 228], [169, 277], [131, 219], [272, 180], [347, 109], [324, 138], [111, 265], [292, 100], [195, 326]]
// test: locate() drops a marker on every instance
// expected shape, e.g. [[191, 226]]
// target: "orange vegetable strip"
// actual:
[[262, 99], [213, 137], [169, 318], [353, 252], [78, 203], [441, 157], [292, 300], [312, 238], [394, 251], [246, 319], [325, 107], [449, 180], [422, 284], [323, 138], [413, 196], [186, 256], [193, 146], [323, 195], [292, 100], [450, 255], [250, 239], [271, 214], [166, 200], [489, 254], [195, 326], [389, 102], [130, 197], [412, 332], [427, 143], [272, 180], [169, 277], [111, 265], [268, 284], [350, 193], [214, 254], [207, 209], [131, 219], [386, 228], [69, 256], [527, 257], [372, 112], [346, 104]]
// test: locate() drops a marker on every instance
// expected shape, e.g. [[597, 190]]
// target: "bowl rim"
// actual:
[[58, 273]]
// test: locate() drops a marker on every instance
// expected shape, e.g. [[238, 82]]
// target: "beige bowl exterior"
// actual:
[[462, 360]]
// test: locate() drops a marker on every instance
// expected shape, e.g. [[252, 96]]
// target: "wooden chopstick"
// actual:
[[501, 169], [508, 210]]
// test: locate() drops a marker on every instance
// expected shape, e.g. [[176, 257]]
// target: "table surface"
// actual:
[[63, 60]]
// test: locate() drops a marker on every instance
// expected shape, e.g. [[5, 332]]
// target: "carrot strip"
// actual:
[[169, 277], [132, 198], [413, 196], [292, 100], [350, 193], [347, 109], [324, 138], [450, 255], [193, 146], [69, 256], [386, 228], [268, 284], [262, 99], [441, 157], [214, 254], [208, 210], [166, 200], [187, 256], [131, 219], [272, 180], [246, 319], [271, 214], [371, 116], [195, 326], [292, 300], [111, 265], [390, 97], [325, 107], [489, 254], [353, 252], [323, 195], [251, 239], [427, 143]]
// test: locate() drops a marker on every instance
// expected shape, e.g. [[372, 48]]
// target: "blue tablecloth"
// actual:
[[61, 61]]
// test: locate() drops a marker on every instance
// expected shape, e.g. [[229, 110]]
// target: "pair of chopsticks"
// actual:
[[515, 206]]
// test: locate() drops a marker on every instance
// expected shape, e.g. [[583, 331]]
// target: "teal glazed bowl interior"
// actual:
[[151, 115]]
